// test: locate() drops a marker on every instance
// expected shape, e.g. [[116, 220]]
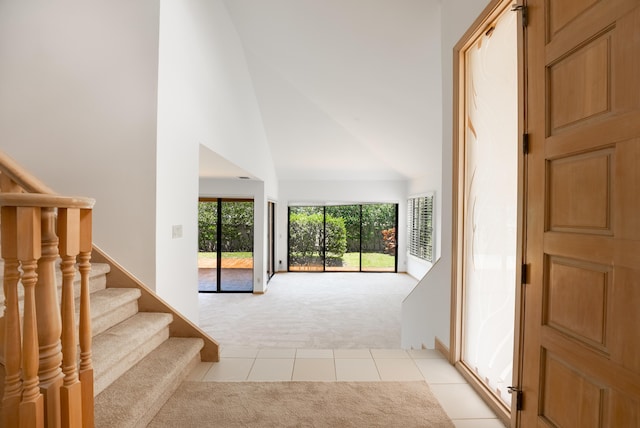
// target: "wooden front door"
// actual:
[[581, 349]]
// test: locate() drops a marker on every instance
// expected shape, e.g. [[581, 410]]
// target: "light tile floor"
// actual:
[[457, 398]]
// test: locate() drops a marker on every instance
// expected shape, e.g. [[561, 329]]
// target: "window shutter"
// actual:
[[420, 221]]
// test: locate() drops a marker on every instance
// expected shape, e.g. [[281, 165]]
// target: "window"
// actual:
[[420, 211]]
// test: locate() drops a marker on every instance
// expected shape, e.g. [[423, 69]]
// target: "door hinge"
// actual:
[[525, 143], [521, 8], [523, 274], [517, 394]]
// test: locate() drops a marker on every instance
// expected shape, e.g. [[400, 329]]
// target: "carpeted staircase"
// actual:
[[137, 365]]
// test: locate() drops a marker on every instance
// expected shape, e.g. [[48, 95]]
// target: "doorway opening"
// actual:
[[343, 238], [271, 241], [225, 245]]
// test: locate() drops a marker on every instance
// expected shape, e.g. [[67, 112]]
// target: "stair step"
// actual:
[[111, 306], [135, 398], [119, 348]]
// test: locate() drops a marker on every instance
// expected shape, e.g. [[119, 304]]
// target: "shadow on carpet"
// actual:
[[302, 404]]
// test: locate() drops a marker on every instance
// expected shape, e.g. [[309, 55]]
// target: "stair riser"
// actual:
[[168, 392], [104, 378], [113, 317]]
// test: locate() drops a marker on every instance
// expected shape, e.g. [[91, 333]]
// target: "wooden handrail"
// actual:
[[44, 201], [21, 177]]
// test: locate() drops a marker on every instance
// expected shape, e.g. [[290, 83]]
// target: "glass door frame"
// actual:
[[220, 201], [271, 240]]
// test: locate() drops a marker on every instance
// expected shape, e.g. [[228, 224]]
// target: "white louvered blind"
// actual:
[[420, 221]]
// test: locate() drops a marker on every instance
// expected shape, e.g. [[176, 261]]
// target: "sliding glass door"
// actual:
[[343, 238], [208, 245], [306, 238], [271, 241], [379, 225], [236, 245], [225, 237]]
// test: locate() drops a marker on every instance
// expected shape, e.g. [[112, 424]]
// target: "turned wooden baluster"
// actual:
[[86, 364], [12, 381], [71, 391], [29, 250], [49, 322]]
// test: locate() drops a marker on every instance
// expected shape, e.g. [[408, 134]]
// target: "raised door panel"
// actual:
[[580, 192], [562, 12], [580, 84], [568, 397], [577, 297]]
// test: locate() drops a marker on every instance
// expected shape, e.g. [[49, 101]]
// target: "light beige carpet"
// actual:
[[302, 404], [311, 310]]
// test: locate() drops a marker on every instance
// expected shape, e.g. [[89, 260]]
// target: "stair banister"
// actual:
[[52, 372], [28, 232]]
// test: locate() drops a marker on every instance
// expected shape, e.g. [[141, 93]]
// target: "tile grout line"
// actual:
[[246, 378], [293, 368], [375, 363]]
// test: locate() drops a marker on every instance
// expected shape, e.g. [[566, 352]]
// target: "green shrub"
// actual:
[[207, 226], [336, 236], [307, 236], [237, 226]]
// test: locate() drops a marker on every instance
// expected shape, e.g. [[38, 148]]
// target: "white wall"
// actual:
[[431, 179], [78, 102], [235, 188], [205, 96], [433, 292], [423, 319], [335, 192]]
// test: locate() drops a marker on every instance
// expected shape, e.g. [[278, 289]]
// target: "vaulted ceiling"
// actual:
[[348, 89]]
